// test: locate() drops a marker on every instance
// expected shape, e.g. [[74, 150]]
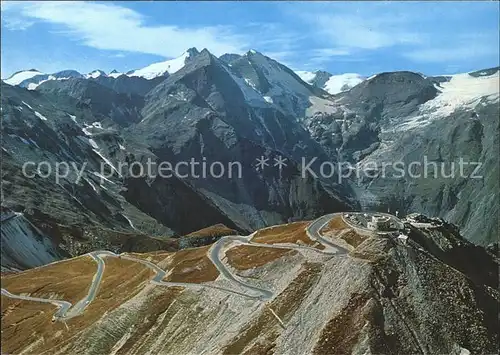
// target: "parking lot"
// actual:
[[387, 223]]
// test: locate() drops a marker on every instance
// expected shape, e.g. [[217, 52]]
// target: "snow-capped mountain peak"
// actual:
[[115, 74], [20, 76], [95, 74], [307, 76], [166, 67]]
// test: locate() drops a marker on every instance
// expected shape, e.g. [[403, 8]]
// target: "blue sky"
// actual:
[[339, 37]]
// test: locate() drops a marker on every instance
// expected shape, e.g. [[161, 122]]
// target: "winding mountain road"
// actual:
[[214, 256], [313, 232], [66, 310], [63, 306], [80, 306]]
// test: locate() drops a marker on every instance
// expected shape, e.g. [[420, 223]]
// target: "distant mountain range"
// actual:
[[30, 79], [239, 108]]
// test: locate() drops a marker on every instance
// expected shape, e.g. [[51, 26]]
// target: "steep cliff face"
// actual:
[[433, 292], [24, 246]]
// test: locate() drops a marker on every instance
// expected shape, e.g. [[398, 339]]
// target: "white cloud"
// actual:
[[351, 31], [451, 54], [354, 33], [418, 31], [280, 56], [118, 55], [347, 32], [461, 47], [113, 27], [305, 35], [319, 56], [16, 23], [330, 52]]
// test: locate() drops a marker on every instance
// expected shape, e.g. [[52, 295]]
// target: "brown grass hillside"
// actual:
[[286, 233], [192, 265], [246, 257], [218, 230], [28, 322]]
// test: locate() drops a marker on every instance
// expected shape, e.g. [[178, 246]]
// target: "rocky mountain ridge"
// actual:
[[240, 108]]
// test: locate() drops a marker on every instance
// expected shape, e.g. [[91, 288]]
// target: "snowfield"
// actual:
[[158, 69], [335, 83], [342, 82], [95, 74], [307, 76], [21, 76], [462, 91], [115, 75]]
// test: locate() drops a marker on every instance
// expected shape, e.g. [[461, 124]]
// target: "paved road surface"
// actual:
[[62, 305], [80, 306], [214, 255], [313, 232]]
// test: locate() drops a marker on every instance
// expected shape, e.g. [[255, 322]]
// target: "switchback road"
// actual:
[[67, 310]]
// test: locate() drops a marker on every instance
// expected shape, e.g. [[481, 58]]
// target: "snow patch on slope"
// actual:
[[40, 116], [93, 143], [252, 96], [73, 117], [33, 86], [106, 160], [129, 221], [31, 108], [91, 184]]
